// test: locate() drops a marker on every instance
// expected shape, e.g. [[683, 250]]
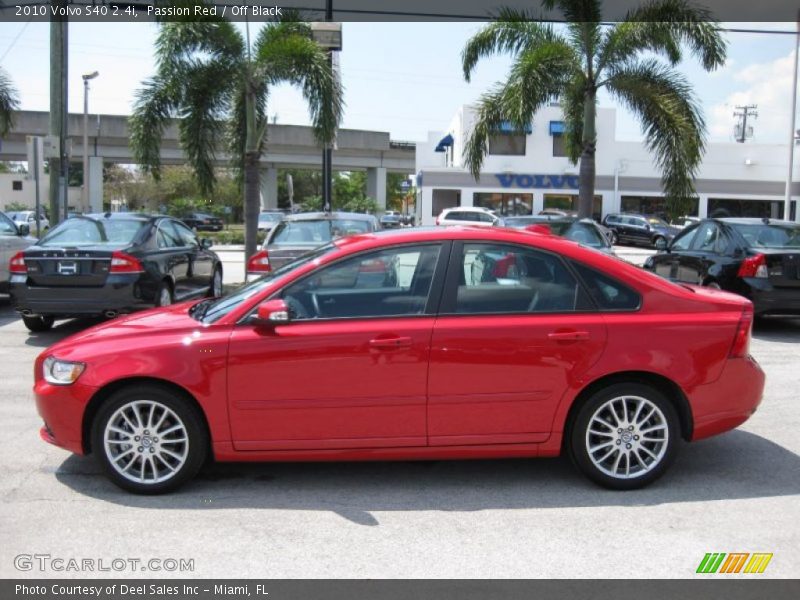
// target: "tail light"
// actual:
[[754, 266], [259, 263], [17, 264], [741, 341], [375, 265], [125, 263]]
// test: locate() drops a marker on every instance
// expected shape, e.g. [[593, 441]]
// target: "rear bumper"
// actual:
[[729, 401], [62, 408], [769, 300], [121, 294]]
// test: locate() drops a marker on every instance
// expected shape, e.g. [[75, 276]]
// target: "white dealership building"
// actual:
[[527, 171]]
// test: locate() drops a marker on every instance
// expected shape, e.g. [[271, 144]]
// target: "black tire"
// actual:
[[712, 284], [38, 324], [164, 291], [190, 417], [579, 438]]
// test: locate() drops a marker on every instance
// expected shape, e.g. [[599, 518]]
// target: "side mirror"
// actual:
[[661, 244], [273, 312], [206, 243], [23, 229]]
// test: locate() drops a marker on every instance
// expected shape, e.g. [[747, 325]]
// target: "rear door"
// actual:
[[201, 262], [515, 329], [173, 258], [693, 265]]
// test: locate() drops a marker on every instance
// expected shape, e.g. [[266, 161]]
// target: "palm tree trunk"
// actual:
[[252, 203], [587, 167]]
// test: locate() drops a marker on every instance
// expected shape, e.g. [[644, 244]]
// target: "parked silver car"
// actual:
[[13, 238], [28, 217]]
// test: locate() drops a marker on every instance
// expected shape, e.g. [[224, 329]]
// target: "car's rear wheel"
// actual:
[[713, 285], [215, 289], [625, 436], [149, 440], [164, 295], [38, 324]]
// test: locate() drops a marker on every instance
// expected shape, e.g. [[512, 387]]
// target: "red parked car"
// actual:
[[414, 344]]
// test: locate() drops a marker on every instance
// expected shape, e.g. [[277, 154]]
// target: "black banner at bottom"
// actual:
[[405, 589]]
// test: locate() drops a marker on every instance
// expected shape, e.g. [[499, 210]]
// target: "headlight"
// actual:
[[61, 372]]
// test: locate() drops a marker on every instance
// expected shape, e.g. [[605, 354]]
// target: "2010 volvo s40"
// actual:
[[416, 344]]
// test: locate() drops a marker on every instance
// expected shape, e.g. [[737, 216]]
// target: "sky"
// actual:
[[404, 78]]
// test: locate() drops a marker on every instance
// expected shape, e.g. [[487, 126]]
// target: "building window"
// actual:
[[653, 205], [726, 207], [559, 145], [507, 144], [442, 199], [569, 202], [504, 204], [16, 186]]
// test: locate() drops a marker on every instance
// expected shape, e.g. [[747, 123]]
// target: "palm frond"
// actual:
[[672, 122], [152, 110], [576, 11], [9, 102], [215, 41], [662, 26]]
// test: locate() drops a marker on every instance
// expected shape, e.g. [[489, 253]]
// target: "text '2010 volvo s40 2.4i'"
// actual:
[[111, 264], [416, 344]]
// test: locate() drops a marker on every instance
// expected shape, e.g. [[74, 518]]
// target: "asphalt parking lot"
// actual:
[[739, 492]]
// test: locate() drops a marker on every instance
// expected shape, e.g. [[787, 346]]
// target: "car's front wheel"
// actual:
[[215, 289], [625, 436], [149, 440], [164, 295], [37, 324]]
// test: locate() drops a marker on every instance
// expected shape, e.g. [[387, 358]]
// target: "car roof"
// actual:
[[752, 221], [467, 208], [323, 216], [130, 216]]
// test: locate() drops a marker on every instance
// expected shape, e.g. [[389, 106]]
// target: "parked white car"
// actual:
[[13, 238], [28, 217], [269, 219], [468, 215]]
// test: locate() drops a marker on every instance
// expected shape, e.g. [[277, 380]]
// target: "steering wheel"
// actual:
[[296, 308], [315, 302]]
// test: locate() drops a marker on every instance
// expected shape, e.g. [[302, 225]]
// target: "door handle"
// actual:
[[390, 343], [568, 336]]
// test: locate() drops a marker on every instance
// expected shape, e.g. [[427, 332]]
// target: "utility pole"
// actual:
[[85, 201], [741, 128], [59, 168], [327, 152]]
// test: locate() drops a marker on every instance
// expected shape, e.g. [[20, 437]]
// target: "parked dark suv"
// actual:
[[644, 230]]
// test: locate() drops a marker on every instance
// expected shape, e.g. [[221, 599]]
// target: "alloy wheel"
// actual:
[[627, 437], [216, 285]]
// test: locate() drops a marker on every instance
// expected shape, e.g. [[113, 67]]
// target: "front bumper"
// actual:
[[729, 401], [62, 408], [120, 294]]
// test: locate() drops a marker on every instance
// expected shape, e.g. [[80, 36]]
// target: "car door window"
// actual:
[[7, 227], [390, 283], [167, 237], [185, 235], [684, 240], [498, 278], [706, 238]]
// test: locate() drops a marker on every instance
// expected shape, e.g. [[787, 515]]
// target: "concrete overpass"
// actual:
[[288, 146]]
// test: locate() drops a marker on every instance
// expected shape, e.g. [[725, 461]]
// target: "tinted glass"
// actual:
[[317, 232], [499, 278], [166, 236], [763, 235], [389, 283], [608, 293], [706, 238], [7, 226], [88, 232], [583, 233], [684, 241], [185, 235]]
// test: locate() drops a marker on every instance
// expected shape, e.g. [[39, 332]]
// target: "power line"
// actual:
[[14, 41]]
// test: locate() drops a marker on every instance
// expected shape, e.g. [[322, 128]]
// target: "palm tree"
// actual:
[[633, 60], [9, 102], [217, 84]]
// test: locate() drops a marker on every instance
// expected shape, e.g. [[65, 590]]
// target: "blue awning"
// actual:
[[509, 127], [557, 128], [445, 142]]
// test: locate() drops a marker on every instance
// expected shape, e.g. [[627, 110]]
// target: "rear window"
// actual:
[[608, 293], [88, 232], [583, 233], [769, 235], [317, 232]]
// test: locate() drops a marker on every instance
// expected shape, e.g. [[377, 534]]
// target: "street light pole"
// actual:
[[787, 204], [85, 191]]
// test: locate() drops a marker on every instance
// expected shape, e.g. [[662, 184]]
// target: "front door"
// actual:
[[510, 339], [350, 370]]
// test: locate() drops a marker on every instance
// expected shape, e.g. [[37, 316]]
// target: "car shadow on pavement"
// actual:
[[777, 329], [733, 466], [59, 331]]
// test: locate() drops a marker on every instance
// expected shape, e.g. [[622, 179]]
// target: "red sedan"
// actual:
[[416, 344]]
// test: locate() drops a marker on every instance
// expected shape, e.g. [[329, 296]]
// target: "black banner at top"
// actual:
[[361, 10]]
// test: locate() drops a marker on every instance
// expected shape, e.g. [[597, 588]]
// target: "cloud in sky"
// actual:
[[767, 85]]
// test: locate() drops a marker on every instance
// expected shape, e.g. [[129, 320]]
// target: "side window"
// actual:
[[166, 236], [185, 235], [510, 279], [484, 218], [684, 240], [7, 227], [706, 238], [390, 283], [608, 293]]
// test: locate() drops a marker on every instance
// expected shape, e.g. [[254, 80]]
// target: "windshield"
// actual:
[[769, 235], [316, 232], [88, 232], [211, 310]]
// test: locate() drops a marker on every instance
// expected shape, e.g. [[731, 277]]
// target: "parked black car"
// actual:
[[584, 231], [639, 229], [111, 264], [757, 258], [203, 222]]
